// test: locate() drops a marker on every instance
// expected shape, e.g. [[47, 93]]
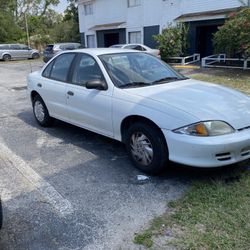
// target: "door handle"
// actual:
[[70, 93], [39, 85]]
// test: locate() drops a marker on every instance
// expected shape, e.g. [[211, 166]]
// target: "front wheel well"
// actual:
[[128, 121]]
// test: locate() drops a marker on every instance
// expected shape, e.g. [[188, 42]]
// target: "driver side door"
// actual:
[[89, 108]]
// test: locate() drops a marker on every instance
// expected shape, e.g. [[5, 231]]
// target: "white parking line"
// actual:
[[62, 205]]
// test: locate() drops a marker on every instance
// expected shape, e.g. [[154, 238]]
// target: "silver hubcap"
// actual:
[[141, 148], [39, 111]]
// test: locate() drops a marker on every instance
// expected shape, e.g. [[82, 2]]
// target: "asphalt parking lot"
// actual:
[[70, 189], [66, 188]]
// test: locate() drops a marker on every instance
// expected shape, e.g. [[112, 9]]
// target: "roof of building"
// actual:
[[108, 26], [214, 14]]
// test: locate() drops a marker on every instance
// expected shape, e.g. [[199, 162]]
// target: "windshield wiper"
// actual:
[[170, 78], [134, 84]]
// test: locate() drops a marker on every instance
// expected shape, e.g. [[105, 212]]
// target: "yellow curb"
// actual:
[[186, 66]]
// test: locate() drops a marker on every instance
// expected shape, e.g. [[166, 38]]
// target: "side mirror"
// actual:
[[96, 84]]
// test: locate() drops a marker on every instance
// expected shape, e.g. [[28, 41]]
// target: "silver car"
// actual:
[[140, 47], [17, 51]]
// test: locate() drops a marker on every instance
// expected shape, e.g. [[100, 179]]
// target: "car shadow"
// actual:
[[107, 148]]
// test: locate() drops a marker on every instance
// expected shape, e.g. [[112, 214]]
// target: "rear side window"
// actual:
[[2, 47], [24, 47], [61, 66]]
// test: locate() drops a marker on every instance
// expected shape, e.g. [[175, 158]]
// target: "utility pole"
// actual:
[[27, 29]]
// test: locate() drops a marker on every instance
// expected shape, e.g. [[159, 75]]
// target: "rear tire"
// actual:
[[6, 58], [147, 147], [41, 112]]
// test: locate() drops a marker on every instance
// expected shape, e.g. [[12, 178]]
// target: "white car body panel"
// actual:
[[169, 106], [205, 101], [91, 108]]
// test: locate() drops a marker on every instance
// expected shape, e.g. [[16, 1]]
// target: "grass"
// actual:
[[215, 212], [237, 79]]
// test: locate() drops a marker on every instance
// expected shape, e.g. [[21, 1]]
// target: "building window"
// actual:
[[91, 41], [133, 3], [134, 37], [88, 9]]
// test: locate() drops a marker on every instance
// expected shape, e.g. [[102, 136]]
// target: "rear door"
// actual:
[[15, 51], [24, 51], [53, 85]]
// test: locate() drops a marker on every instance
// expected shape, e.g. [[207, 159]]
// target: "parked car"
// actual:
[[140, 47], [138, 99], [17, 51], [52, 49]]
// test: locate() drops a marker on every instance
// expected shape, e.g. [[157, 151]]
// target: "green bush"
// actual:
[[233, 38], [173, 41]]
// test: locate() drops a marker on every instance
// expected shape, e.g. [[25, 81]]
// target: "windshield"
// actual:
[[138, 69]]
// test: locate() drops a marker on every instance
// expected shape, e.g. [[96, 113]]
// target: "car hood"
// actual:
[[205, 101]]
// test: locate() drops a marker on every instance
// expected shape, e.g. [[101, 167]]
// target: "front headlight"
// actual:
[[208, 128]]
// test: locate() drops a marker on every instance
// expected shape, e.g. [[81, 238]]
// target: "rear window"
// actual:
[[49, 47]]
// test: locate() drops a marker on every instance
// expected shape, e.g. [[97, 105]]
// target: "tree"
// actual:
[[233, 38], [173, 41]]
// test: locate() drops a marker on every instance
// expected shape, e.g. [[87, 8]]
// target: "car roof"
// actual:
[[103, 51]]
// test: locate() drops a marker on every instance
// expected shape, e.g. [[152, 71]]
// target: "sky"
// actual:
[[61, 7]]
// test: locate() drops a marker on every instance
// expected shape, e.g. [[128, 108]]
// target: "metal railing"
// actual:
[[221, 61], [184, 60]]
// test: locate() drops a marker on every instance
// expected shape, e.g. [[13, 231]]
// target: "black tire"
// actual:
[[150, 153], [41, 112], [35, 56], [6, 57], [1, 214]]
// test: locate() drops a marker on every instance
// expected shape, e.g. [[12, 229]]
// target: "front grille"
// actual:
[[245, 151], [223, 156]]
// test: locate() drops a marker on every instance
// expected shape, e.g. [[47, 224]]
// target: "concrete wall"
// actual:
[[149, 13]]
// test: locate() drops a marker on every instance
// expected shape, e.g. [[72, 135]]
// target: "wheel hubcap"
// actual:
[[141, 149], [39, 111]]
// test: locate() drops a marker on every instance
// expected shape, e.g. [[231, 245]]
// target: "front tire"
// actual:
[[147, 147], [41, 112]]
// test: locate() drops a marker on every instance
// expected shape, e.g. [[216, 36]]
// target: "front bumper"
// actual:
[[212, 151]]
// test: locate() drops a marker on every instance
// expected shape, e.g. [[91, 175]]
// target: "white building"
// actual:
[[107, 22]]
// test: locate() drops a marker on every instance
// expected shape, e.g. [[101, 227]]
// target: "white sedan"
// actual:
[[136, 98]]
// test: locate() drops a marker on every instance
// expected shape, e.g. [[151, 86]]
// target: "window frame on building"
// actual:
[[91, 42], [138, 36], [134, 3], [88, 9]]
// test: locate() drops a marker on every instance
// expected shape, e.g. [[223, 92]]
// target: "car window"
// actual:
[[24, 47], [138, 69], [86, 69], [136, 47], [14, 46], [61, 65], [2, 47], [49, 47], [46, 72]]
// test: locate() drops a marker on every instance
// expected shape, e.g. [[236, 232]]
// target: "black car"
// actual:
[[52, 49]]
